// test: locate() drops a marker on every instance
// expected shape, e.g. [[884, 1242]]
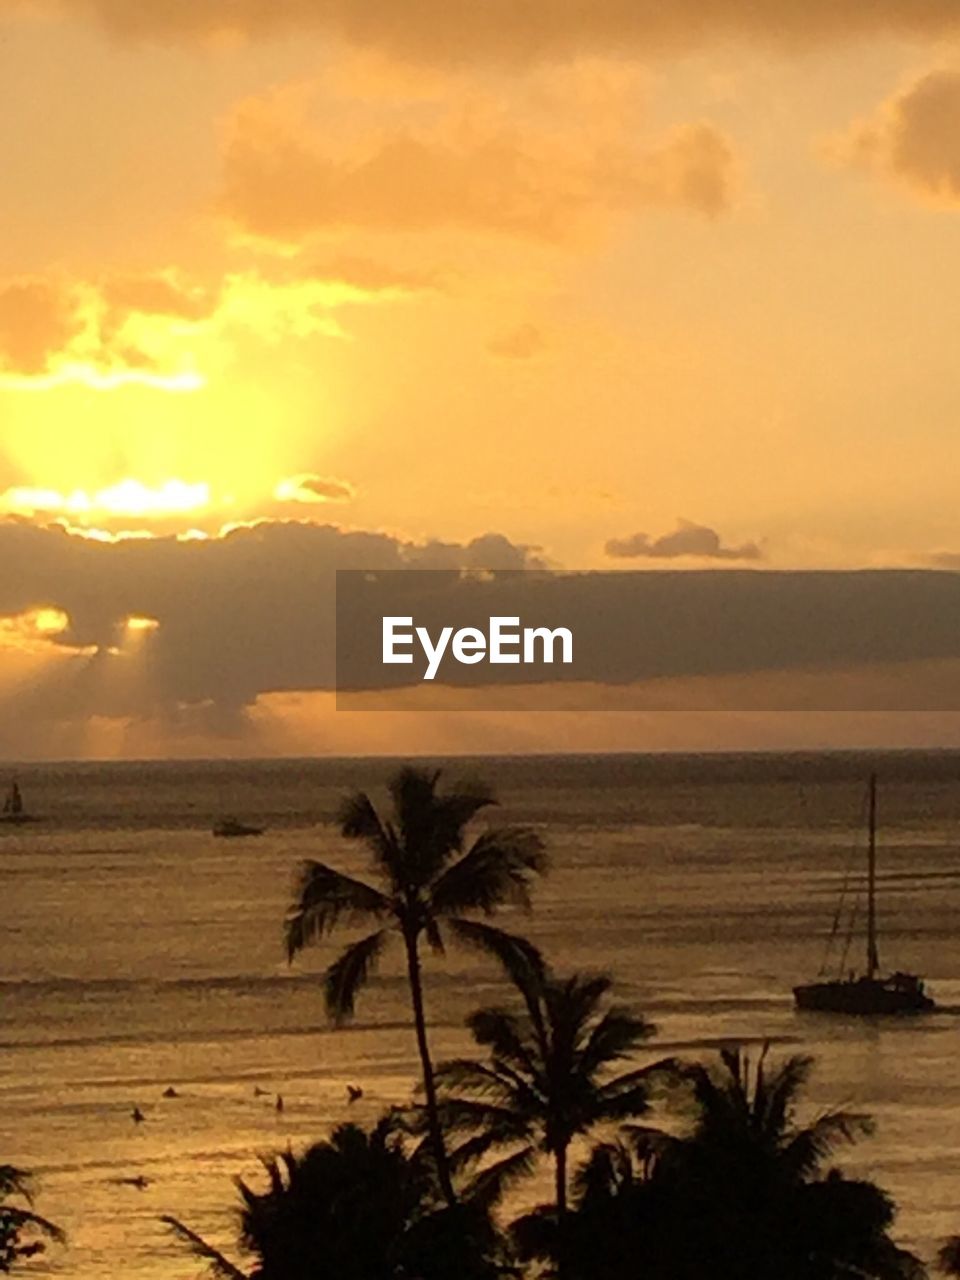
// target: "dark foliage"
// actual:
[[744, 1195], [23, 1233], [356, 1207]]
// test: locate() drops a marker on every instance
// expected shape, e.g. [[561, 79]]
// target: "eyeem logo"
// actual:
[[504, 643]]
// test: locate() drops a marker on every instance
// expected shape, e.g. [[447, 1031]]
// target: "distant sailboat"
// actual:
[[13, 810], [868, 992]]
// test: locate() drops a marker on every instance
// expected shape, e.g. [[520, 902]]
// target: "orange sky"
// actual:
[[570, 274]]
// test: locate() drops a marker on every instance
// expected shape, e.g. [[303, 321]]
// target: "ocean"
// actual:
[[139, 953]]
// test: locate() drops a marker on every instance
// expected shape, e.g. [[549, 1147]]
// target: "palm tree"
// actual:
[[358, 1206], [744, 1194], [22, 1232], [748, 1193], [549, 1076], [430, 880]]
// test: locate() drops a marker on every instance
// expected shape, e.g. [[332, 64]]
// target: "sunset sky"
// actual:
[[596, 284]]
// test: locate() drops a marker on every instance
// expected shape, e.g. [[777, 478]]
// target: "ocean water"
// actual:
[[138, 952]]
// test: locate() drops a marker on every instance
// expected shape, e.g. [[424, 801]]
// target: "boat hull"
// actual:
[[865, 997]]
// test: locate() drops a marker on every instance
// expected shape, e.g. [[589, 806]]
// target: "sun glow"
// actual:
[[136, 623], [128, 498], [30, 631], [86, 375]]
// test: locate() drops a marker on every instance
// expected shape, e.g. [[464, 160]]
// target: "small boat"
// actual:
[[230, 828], [868, 993], [13, 811]]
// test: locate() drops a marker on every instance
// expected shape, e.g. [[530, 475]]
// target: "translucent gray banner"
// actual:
[[877, 640]]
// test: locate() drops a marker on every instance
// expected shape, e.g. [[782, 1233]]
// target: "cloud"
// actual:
[[232, 616], [160, 294], [521, 343], [688, 539], [913, 138], [38, 318], [372, 276], [309, 488], [198, 634], [101, 333], [165, 330], [538, 175], [457, 31]]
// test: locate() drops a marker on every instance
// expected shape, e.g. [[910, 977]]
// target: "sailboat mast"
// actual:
[[873, 961]]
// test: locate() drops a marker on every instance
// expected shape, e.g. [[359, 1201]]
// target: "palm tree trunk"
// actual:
[[426, 1066], [560, 1174]]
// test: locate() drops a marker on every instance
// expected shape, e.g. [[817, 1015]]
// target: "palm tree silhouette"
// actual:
[[749, 1191], [755, 1180], [358, 1206], [22, 1232], [548, 1078], [430, 879], [744, 1194]]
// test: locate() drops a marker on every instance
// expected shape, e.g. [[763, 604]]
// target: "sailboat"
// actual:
[[13, 810], [868, 992]]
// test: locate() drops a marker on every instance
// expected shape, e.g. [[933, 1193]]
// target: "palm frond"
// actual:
[[497, 869], [199, 1248], [348, 974], [488, 1186], [434, 937], [615, 1037], [503, 1033], [15, 1182], [520, 959], [481, 1080], [10, 1215], [807, 1149], [415, 803], [455, 810], [358, 820], [572, 1003], [653, 1073], [623, 1105], [498, 1122], [776, 1095], [432, 826], [324, 898]]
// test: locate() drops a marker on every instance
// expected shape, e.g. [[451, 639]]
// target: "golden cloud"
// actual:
[[913, 138], [55, 331], [459, 31], [313, 489], [160, 295], [161, 330], [38, 318], [543, 169]]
